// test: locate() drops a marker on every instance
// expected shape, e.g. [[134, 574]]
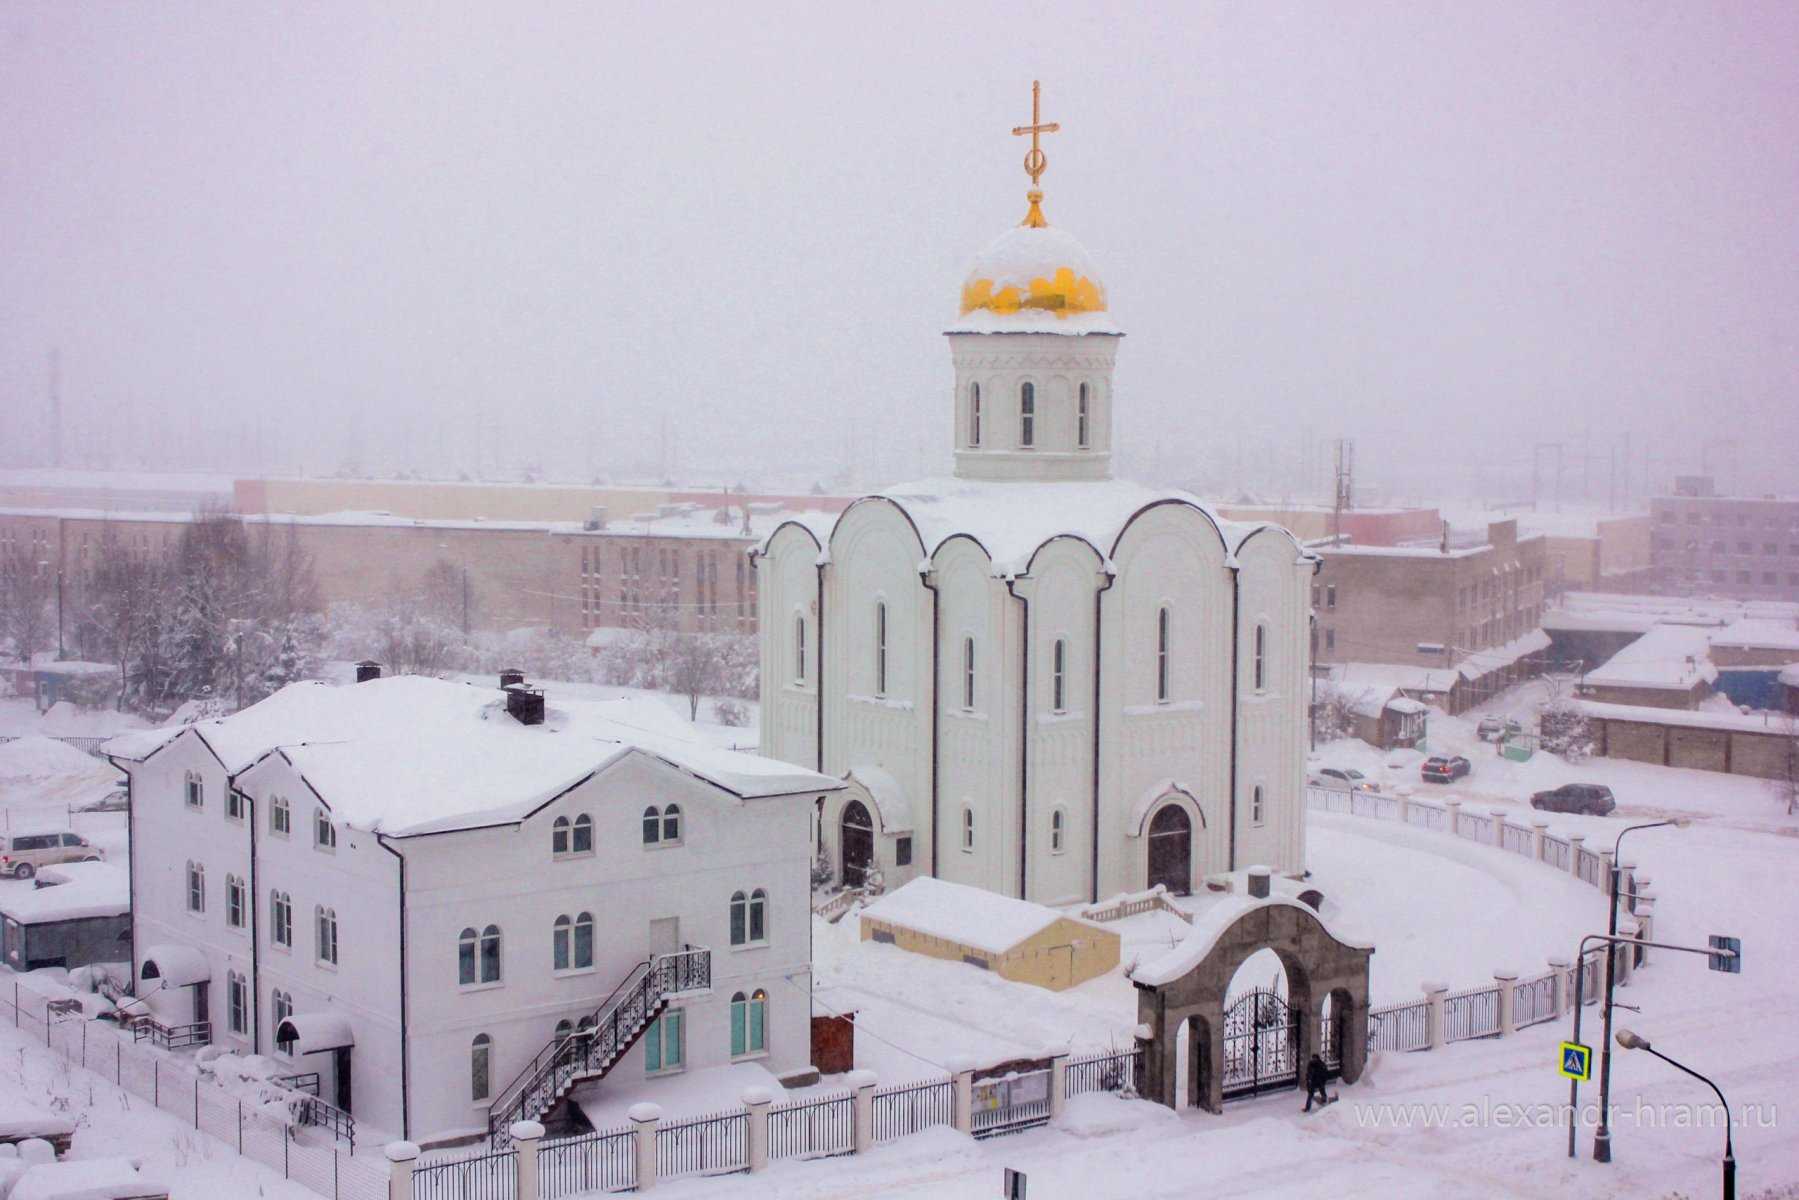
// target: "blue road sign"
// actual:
[[1577, 1061]]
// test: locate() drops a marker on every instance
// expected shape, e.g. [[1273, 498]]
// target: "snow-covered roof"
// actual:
[[1759, 633], [1395, 676], [175, 965], [1405, 705], [1734, 722], [1789, 675], [96, 889], [1639, 613], [310, 1032], [1484, 662], [964, 915], [895, 809], [19, 1118], [1668, 656], [1034, 279], [1211, 924], [88, 1179], [407, 755]]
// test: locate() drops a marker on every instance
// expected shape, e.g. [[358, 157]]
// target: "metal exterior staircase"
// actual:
[[599, 1040]]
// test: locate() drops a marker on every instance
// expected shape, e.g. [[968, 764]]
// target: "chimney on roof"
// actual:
[[524, 704], [367, 669], [1258, 882], [511, 676]]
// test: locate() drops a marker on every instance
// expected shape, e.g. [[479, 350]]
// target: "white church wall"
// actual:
[[1169, 555], [972, 768], [1055, 366], [1271, 724], [787, 592]]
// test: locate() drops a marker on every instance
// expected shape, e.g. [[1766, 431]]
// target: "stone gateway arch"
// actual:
[[1187, 987]]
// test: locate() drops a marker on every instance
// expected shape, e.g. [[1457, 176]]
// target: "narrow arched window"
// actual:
[[880, 648], [974, 415], [280, 815], [562, 943], [1027, 415], [1058, 823], [1058, 676], [1081, 429], [281, 919], [564, 1027], [480, 1067], [652, 825], [967, 830], [196, 888], [740, 915], [759, 915], [799, 650], [583, 839], [671, 823], [1162, 654], [749, 1023], [584, 941], [1256, 805], [326, 921], [1261, 657], [490, 954], [968, 673], [234, 902], [465, 956], [559, 831]]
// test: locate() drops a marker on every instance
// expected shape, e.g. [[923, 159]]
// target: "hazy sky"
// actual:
[[470, 237]]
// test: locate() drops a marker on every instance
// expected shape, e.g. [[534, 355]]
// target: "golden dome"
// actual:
[[1034, 278]]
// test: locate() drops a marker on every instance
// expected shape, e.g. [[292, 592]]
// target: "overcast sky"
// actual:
[[724, 241]]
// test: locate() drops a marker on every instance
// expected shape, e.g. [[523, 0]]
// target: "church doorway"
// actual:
[[857, 842], [1171, 850]]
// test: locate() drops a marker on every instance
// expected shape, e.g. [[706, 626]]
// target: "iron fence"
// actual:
[[1471, 1014], [490, 1177], [703, 1145], [1475, 827], [899, 1111], [1434, 817], [1517, 840], [1400, 1027], [1555, 852], [1592, 870], [593, 1162], [1104, 1073], [812, 1129], [1010, 1102], [1533, 1001]]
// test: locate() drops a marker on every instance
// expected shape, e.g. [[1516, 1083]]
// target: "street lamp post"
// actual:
[[1602, 1141], [1631, 1041]]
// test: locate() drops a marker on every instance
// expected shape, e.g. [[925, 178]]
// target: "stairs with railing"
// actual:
[[599, 1040]]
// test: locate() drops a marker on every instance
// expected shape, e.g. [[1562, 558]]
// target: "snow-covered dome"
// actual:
[[1034, 279]]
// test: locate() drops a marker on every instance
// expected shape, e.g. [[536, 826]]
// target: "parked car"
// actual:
[[1346, 779], [116, 800], [21, 854], [1494, 729], [1445, 768], [1593, 799]]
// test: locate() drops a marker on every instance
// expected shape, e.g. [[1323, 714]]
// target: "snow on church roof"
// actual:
[[1012, 518], [409, 755]]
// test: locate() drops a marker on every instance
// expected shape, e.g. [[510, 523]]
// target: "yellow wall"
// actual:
[[443, 501], [1059, 956]]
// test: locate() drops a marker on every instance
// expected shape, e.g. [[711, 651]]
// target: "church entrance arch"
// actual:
[[1171, 850], [1259, 1041], [857, 843]]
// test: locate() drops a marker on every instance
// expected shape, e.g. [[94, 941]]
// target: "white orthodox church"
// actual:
[[1036, 678]]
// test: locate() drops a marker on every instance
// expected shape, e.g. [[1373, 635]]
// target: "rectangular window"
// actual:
[[1330, 639], [234, 902], [234, 804], [324, 837], [196, 795], [239, 1005], [280, 816], [663, 1044], [1330, 595], [902, 851]]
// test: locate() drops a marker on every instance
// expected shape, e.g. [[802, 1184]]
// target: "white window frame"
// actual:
[[1083, 437], [281, 919], [880, 647], [1058, 830], [236, 903], [480, 1068], [1027, 415], [1258, 806], [281, 817], [196, 888], [196, 791], [974, 416], [799, 649], [968, 673], [1058, 676], [1259, 656], [1164, 654], [324, 936], [967, 829], [324, 834]]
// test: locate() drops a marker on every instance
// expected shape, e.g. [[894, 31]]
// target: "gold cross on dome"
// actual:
[[1035, 162]]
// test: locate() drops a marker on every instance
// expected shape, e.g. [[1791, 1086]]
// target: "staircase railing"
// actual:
[[599, 1040]]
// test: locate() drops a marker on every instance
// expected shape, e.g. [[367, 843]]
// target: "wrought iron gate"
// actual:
[[1261, 1045]]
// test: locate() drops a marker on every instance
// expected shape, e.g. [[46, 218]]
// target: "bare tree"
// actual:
[[659, 655], [27, 591], [1786, 784]]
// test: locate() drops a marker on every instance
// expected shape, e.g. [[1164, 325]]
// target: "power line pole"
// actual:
[[1345, 488]]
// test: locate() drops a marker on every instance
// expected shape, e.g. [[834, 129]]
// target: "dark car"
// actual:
[[1593, 799], [1442, 768]]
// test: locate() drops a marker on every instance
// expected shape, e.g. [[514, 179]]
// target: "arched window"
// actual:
[[326, 921], [1256, 806], [573, 943], [467, 945], [196, 888], [740, 918], [562, 939], [759, 915], [480, 1073], [1058, 676], [749, 1023], [323, 835], [583, 941], [968, 673], [1081, 432], [234, 902], [196, 790], [799, 650], [583, 841], [559, 830], [880, 648], [1027, 415], [490, 954], [280, 816], [237, 1002], [564, 1027], [1058, 825], [974, 415], [1261, 657], [281, 919], [671, 823], [1162, 649], [652, 825], [967, 830], [282, 1006]]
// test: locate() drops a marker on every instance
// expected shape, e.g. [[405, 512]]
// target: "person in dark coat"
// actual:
[[1317, 1075]]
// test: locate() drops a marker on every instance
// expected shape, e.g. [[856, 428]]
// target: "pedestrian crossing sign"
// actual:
[[1577, 1061]]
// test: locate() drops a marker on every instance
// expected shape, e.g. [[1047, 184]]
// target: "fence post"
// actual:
[[1627, 879], [1402, 800], [1574, 849], [1605, 872], [755, 1104], [1058, 1082], [1559, 993], [1645, 927], [1508, 999], [962, 1094], [1453, 821], [862, 1111], [1433, 1013], [526, 1135], [1499, 828], [645, 1118], [400, 1157], [1538, 831]]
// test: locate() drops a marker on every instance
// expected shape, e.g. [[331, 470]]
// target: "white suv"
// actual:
[[21, 854]]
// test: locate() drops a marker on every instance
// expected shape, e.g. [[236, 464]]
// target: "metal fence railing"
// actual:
[[1104, 1073], [1533, 1001], [1400, 1027], [708, 1145], [900, 1111], [491, 1176], [1555, 852], [592, 1162], [1471, 1014], [812, 1129]]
